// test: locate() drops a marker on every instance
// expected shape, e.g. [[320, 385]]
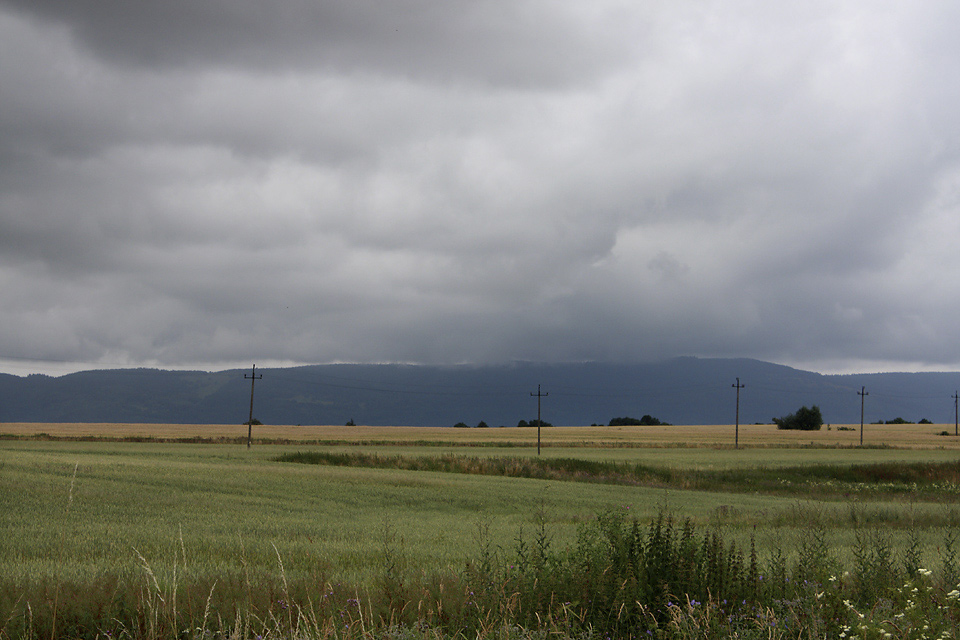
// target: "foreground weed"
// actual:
[[875, 573], [708, 621], [916, 610], [948, 557]]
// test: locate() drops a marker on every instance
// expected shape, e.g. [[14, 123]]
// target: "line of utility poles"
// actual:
[[539, 395], [253, 377], [863, 393]]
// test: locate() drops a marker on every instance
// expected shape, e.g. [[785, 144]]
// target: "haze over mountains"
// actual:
[[679, 391]]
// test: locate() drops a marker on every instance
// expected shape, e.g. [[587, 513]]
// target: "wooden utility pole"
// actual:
[[253, 377], [956, 413], [862, 393], [736, 433], [539, 395]]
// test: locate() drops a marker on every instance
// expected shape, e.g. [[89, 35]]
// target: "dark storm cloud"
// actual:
[[205, 183], [496, 42]]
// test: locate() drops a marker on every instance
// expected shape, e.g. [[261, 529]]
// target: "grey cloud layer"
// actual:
[[186, 183], [494, 42]]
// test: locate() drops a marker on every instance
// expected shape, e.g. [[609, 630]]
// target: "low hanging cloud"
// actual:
[[205, 184]]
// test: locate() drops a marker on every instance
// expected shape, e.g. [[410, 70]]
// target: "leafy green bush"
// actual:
[[805, 419]]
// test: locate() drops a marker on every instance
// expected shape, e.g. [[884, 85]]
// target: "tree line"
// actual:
[[626, 421]]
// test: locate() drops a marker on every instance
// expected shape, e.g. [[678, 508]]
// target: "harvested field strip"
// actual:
[[932, 481], [909, 436]]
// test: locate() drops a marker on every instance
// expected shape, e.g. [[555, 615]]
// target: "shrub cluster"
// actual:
[[646, 421], [805, 419], [533, 423]]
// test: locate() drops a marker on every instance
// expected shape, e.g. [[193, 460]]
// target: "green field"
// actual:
[[74, 514]]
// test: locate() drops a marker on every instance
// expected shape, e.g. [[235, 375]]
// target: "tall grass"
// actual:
[[664, 578], [155, 541]]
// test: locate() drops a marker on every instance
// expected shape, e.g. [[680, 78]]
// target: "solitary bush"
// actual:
[[805, 419]]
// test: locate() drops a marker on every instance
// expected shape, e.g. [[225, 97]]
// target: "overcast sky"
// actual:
[[211, 183]]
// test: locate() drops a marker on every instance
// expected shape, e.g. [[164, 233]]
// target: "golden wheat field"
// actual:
[[915, 436]]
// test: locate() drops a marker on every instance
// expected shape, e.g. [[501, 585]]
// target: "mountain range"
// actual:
[[679, 391]]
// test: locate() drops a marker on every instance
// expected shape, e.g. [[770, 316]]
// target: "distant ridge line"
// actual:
[[684, 390]]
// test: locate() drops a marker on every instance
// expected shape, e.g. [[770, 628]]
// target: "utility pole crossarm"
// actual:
[[253, 377]]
